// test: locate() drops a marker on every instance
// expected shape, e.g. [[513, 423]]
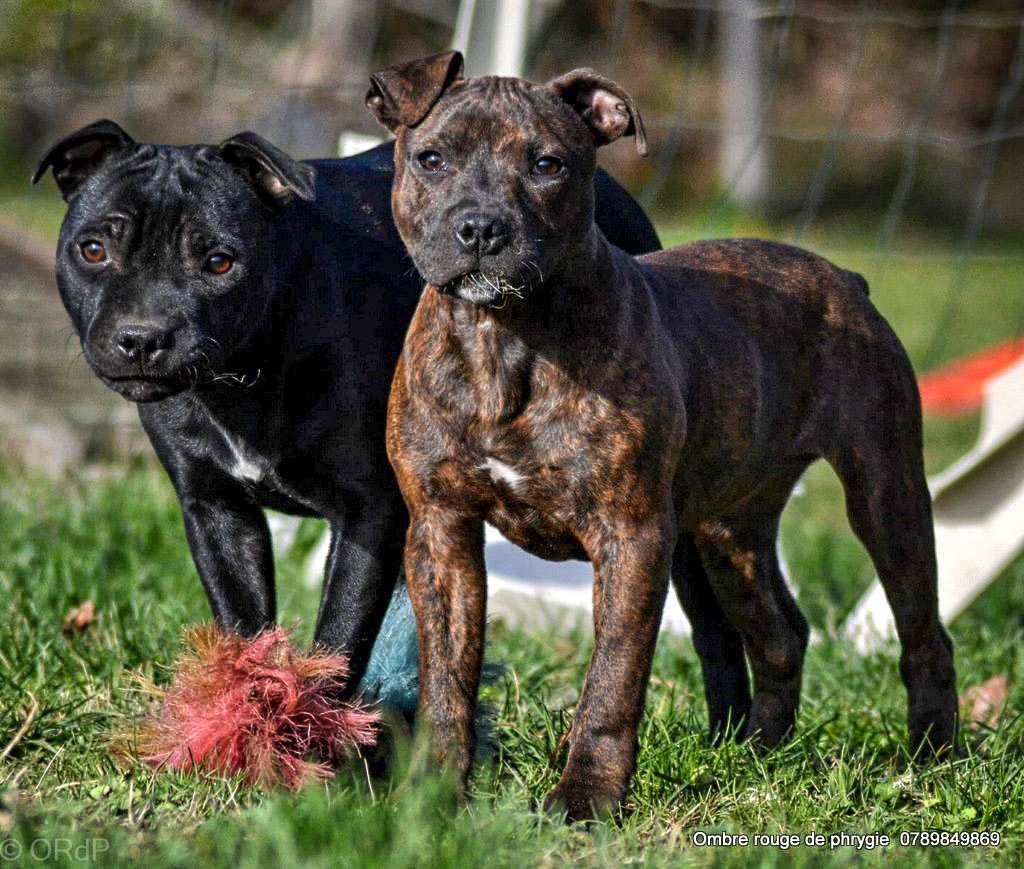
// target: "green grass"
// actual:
[[118, 540]]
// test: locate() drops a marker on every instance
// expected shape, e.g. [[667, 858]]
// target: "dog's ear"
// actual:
[[75, 157], [604, 106], [401, 96], [278, 178]]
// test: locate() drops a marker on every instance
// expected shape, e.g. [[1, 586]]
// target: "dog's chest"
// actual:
[[502, 473], [245, 447], [534, 442], [534, 487], [242, 462], [516, 434], [519, 482], [534, 505], [236, 454]]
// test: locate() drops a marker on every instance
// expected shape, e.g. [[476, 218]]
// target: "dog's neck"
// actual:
[[250, 378], [572, 320]]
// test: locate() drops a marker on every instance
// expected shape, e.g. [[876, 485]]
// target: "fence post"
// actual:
[[742, 157], [493, 36]]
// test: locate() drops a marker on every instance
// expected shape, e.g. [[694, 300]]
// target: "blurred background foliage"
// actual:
[[856, 78]]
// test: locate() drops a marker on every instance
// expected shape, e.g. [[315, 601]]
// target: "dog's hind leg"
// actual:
[[743, 569], [719, 645], [889, 509]]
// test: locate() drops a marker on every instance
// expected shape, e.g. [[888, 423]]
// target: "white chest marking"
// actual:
[[245, 467], [500, 472]]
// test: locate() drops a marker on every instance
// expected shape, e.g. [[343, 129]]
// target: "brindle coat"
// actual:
[[604, 407]]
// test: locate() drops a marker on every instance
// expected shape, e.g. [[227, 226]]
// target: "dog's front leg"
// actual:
[[231, 546], [444, 569], [226, 529], [362, 566], [631, 577]]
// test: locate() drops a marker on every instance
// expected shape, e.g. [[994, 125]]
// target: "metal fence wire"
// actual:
[[725, 85]]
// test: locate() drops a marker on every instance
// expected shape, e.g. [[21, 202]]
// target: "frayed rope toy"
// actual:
[[255, 707]]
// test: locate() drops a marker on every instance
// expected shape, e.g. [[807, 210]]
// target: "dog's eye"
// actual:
[[218, 263], [93, 251], [432, 161], [548, 166]]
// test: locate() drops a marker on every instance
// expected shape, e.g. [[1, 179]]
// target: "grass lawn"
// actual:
[[118, 541], [116, 538]]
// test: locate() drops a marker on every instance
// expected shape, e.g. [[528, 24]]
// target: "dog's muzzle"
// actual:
[[482, 288]]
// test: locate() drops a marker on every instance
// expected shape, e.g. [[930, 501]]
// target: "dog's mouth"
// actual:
[[486, 288], [143, 388]]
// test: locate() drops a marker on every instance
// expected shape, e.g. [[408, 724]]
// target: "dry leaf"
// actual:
[[79, 618], [983, 704]]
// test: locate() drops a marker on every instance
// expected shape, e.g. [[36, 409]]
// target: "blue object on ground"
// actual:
[[392, 676]]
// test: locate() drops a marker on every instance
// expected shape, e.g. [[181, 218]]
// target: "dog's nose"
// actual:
[[485, 233], [143, 342]]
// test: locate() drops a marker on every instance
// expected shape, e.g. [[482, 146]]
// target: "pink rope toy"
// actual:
[[256, 707]]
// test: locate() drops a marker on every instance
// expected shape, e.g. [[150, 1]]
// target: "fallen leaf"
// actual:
[[984, 703], [79, 618]]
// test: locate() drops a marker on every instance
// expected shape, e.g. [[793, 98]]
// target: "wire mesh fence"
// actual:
[[885, 134]]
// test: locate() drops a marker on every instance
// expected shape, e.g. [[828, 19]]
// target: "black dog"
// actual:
[[254, 306]]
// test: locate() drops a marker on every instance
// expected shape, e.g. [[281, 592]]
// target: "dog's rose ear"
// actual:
[[278, 178], [75, 157], [401, 96], [604, 106]]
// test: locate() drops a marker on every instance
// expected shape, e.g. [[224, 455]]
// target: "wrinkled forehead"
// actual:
[[502, 114], [171, 182]]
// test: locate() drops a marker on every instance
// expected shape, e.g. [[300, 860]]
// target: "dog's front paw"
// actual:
[[771, 722], [933, 731], [579, 802]]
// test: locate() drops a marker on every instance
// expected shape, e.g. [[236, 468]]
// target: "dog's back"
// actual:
[[789, 303], [779, 349], [756, 279]]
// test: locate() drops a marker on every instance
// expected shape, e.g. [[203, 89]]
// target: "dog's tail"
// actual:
[[392, 675], [857, 281]]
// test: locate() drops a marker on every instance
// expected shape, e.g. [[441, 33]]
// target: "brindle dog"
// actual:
[[599, 406]]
